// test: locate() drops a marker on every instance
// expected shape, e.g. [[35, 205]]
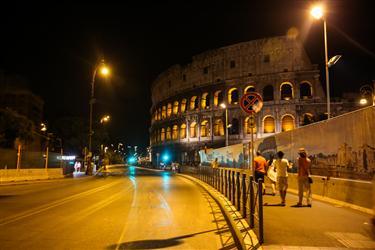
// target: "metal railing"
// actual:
[[239, 187]]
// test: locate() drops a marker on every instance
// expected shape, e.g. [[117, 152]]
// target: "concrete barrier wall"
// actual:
[[7, 175], [354, 192]]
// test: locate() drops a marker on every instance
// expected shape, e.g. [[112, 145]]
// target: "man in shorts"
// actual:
[[282, 165]]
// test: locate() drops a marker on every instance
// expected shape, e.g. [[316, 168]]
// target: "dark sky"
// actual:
[[56, 46]]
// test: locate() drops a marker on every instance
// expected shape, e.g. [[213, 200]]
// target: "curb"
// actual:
[[244, 237]]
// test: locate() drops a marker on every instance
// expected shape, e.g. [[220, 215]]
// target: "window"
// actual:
[[266, 58], [218, 127], [232, 64], [268, 93], [162, 135], [249, 89], [183, 131], [205, 101], [169, 109], [248, 128], [159, 114], [155, 115], [269, 124], [305, 90], [205, 130], [183, 105], [233, 96], [164, 112], [218, 98], [287, 123], [175, 132], [175, 107], [235, 128], [205, 70], [194, 103], [168, 134], [193, 130], [286, 90]]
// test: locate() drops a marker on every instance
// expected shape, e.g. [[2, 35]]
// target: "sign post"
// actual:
[[251, 103]]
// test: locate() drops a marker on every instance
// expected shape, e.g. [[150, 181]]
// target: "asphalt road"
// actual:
[[123, 209]]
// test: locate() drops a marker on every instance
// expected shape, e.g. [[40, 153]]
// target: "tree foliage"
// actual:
[[74, 134], [14, 126]]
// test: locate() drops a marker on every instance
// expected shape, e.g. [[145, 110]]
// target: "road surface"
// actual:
[[128, 208]]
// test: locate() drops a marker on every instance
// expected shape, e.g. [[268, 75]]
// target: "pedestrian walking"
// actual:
[[282, 165], [260, 169], [214, 163], [304, 166], [272, 174]]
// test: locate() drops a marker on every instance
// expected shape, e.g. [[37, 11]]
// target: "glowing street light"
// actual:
[[367, 90], [43, 127], [317, 12], [105, 119], [104, 71]]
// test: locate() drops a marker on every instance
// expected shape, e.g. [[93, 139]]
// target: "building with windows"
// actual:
[[186, 111]]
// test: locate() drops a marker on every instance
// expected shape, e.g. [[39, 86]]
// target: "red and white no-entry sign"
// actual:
[[251, 102]]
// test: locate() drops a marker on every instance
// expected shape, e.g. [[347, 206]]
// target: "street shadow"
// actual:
[[299, 206], [155, 243], [273, 205], [6, 196]]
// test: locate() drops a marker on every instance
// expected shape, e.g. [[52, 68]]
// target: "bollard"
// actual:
[[229, 186], [238, 191], [260, 211], [225, 183], [251, 202], [233, 188], [244, 195]]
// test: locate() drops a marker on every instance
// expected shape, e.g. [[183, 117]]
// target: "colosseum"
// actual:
[[187, 114]]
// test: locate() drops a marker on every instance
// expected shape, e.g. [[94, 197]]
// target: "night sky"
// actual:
[[56, 46]]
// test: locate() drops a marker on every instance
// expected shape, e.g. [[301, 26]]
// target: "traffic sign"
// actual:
[[251, 102]]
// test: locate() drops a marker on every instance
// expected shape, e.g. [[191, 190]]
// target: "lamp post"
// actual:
[[226, 123], [317, 13], [103, 70]]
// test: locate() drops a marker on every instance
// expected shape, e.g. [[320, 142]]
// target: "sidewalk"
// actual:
[[323, 226]]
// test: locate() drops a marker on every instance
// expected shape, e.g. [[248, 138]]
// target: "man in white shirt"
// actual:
[[282, 165]]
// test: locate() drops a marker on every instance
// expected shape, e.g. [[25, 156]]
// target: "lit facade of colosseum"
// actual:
[[186, 112]]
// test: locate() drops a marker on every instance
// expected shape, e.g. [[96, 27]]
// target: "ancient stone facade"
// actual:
[[186, 111]]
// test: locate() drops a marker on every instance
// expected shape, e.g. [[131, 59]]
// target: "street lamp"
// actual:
[[367, 90], [318, 13], [226, 123], [104, 71], [105, 119], [43, 127]]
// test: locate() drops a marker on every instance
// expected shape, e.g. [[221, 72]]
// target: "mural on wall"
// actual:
[[232, 156], [343, 146]]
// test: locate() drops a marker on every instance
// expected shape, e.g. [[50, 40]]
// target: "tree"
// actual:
[[14, 126], [74, 133]]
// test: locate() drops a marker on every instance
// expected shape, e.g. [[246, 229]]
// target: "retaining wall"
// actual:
[[8, 175]]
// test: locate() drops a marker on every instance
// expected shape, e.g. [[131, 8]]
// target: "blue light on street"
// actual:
[[165, 157], [132, 160]]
